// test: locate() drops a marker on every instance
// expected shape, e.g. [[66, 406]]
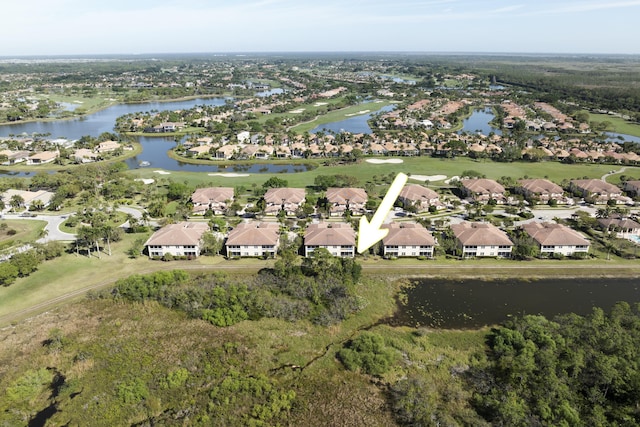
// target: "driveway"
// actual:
[[52, 227]]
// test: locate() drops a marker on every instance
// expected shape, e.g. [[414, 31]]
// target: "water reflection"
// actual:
[[453, 304]]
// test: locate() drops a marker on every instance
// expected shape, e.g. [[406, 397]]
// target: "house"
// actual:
[[598, 191], [43, 157], [13, 157], [28, 197], [226, 151], [243, 137], [556, 238], [253, 239], [632, 188], [338, 238], [343, 199], [107, 146], [180, 239], [407, 240], [483, 190], [419, 197], [476, 239], [624, 227], [214, 198], [287, 199], [541, 190], [84, 155], [199, 150]]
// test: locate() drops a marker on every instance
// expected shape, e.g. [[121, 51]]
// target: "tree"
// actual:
[[275, 182], [16, 201]]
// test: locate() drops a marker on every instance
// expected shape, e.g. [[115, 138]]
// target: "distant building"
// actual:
[[214, 198], [343, 199], [598, 191], [542, 190], [483, 190], [419, 196], [287, 199]]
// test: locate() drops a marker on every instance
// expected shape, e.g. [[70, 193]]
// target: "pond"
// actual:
[[355, 124], [471, 303], [478, 122]]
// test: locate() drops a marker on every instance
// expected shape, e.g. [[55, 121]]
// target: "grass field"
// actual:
[[619, 125], [25, 231], [338, 115], [364, 171]]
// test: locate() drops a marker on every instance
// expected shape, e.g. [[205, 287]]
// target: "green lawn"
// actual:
[[411, 165], [618, 124], [25, 231], [338, 115]]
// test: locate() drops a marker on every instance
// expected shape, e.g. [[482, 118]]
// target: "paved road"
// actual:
[[52, 227]]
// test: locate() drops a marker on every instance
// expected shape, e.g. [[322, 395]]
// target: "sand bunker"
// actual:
[[382, 161], [298, 111], [320, 104], [428, 177], [358, 113], [229, 175], [453, 178], [146, 181], [163, 172]]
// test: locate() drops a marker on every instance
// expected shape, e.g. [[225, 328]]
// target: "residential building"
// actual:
[[28, 197], [287, 199], [598, 191], [483, 190], [84, 155], [180, 239], [479, 239], [338, 238], [199, 150], [624, 227], [407, 240], [43, 157], [555, 238], [214, 198], [343, 199], [419, 196], [542, 190], [632, 187], [253, 239], [107, 146], [13, 157]]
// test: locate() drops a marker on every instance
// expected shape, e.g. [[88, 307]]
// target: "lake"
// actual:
[[355, 124], [471, 303], [478, 122]]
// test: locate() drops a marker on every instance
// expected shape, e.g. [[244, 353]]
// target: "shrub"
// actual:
[[367, 353]]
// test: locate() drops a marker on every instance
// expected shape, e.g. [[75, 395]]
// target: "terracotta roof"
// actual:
[[480, 234], [330, 234], [416, 192], [625, 224], [551, 234], [181, 234], [595, 186], [212, 194], [407, 234], [341, 195], [539, 185], [482, 185], [289, 195], [254, 234]]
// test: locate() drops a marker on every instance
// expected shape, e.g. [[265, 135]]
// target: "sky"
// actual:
[[85, 27]]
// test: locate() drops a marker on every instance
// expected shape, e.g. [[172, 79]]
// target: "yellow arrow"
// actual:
[[370, 232]]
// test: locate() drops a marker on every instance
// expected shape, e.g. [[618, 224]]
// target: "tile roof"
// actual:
[[595, 186], [330, 234], [212, 194], [341, 195], [289, 195], [482, 185], [480, 234], [539, 185], [551, 234], [407, 234], [179, 234], [254, 234], [416, 192]]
